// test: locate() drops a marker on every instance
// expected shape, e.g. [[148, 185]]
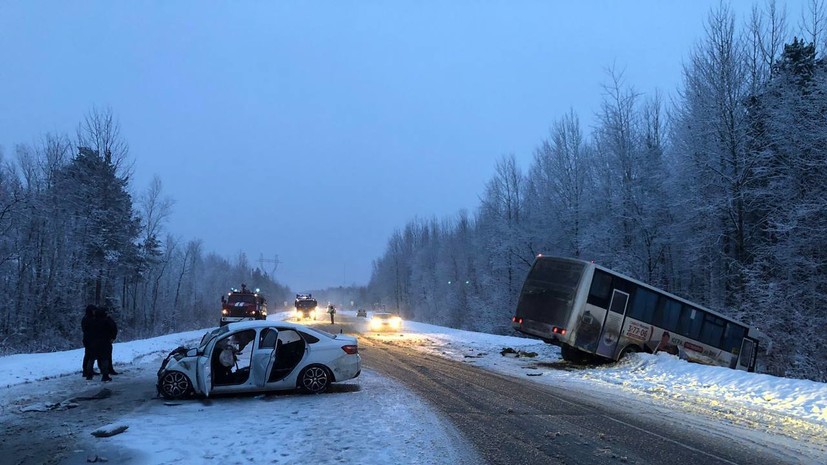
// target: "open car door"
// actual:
[[290, 350], [265, 355], [203, 371]]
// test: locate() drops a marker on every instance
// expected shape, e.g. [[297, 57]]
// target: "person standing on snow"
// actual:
[[332, 310], [88, 352], [99, 341], [111, 334]]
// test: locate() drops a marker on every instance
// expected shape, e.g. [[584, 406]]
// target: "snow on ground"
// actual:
[[378, 421], [793, 407], [381, 422], [368, 420], [661, 375]]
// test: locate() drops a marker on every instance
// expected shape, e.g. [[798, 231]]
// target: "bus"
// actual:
[[593, 312]]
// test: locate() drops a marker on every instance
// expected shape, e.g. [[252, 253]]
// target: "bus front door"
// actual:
[[613, 324], [746, 357]]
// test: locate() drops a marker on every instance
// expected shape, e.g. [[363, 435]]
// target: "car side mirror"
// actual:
[[192, 352]]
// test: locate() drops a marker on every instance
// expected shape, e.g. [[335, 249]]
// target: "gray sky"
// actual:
[[334, 123]]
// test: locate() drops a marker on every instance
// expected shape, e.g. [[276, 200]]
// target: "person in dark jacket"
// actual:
[[111, 333], [88, 354], [99, 340]]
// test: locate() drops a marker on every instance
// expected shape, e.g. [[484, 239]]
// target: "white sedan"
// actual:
[[254, 356]]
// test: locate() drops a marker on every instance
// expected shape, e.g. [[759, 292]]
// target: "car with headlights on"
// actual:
[[385, 322], [259, 356]]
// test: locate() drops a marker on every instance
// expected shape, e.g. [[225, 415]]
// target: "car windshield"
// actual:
[[384, 316], [210, 336]]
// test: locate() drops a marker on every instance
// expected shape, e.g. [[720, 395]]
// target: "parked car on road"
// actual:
[[362, 313], [254, 356]]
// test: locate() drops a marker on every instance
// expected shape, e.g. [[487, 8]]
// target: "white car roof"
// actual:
[[263, 324]]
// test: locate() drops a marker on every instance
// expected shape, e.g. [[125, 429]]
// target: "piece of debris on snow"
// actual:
[[534, 374], [39, 407], [509, 352], [46, 406], [109, 430], [172, 404], [96, 459]]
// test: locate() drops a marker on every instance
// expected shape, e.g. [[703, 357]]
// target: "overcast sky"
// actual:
[[313, 130]]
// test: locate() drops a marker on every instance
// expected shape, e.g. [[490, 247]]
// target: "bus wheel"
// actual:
[[571, 354], [630, 349]]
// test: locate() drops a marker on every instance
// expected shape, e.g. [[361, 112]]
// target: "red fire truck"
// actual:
[[242, 304]]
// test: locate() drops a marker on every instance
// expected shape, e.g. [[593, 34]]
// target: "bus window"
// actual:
[[671, 311], [601, 289], [643, 306], [697, 319], [733, 334], [712, 330], [690, 321]]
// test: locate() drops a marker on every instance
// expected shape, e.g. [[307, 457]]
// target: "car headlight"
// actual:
[[225, 312]]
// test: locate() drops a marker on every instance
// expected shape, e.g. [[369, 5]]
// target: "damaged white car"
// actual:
[[258, 356]]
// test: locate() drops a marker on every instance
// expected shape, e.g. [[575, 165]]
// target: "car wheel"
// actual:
[[314, 379], [175, 385]]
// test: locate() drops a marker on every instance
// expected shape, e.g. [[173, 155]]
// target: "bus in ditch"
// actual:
[[591, 311]]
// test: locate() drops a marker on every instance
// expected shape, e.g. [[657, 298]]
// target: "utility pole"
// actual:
[[275, 261]]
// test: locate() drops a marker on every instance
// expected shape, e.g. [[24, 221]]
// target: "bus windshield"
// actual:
[[549, 290]]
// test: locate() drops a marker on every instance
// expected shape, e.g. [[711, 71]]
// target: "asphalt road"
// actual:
[[509, 420], [515, 421]]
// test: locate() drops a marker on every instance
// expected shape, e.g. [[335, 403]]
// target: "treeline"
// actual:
[[719, 196], [71, 234]]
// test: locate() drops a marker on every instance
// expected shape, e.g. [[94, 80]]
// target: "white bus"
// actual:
[[589, 310]]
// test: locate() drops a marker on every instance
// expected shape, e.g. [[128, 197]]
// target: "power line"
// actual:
[[275, 261]]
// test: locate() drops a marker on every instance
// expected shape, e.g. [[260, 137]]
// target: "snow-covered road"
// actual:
[[375, 420]]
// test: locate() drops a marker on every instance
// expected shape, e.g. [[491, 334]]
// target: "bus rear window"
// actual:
[[549, 290]]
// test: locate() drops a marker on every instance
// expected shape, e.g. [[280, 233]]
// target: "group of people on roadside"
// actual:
[[99, 332]]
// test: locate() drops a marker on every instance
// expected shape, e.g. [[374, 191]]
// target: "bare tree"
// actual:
[[766, 33], [813, 22], [100, 132], [155, 209]]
